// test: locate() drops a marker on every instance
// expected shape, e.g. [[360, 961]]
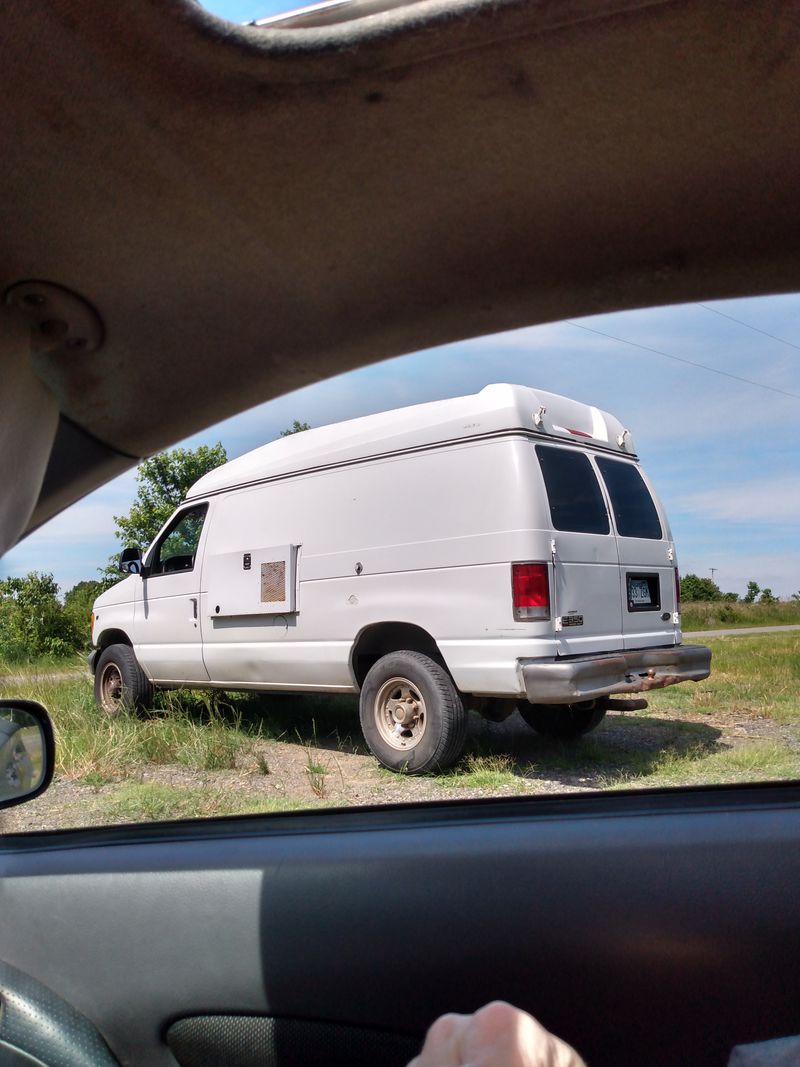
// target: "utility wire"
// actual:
[[689, 362], [755, 329]]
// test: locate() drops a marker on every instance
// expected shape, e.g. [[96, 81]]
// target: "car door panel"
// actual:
[[167, 630], [611, 918], [585, 560]]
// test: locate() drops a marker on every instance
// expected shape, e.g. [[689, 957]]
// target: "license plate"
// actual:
[[639, 592], [644, 593]]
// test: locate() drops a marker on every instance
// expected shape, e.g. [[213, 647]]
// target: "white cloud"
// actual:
[[765, 500], [80, 524]]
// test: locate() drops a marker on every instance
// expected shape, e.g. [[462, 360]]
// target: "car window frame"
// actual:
[[155, 549]]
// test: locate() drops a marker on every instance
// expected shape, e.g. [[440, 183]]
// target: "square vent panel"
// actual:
[[253, 581]]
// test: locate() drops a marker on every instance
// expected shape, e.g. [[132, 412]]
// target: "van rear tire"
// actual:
[[564, 721], [412, 716], [120, 684]]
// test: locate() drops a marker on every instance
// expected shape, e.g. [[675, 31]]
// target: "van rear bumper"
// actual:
[[568, 681]]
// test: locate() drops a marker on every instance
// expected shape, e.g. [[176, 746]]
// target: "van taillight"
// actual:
[[677, 589], [530, 583]]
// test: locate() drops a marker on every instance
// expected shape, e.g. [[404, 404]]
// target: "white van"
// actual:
[[493, 551]]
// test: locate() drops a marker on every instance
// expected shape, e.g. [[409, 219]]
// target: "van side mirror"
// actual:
[[130, 561], [27, 751]]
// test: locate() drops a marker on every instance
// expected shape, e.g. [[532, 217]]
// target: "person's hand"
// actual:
[[497, 1035]]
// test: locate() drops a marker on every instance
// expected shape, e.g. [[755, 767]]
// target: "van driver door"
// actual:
[[166, 627]]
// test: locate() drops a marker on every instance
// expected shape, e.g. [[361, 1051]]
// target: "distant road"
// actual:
[[740, 630]]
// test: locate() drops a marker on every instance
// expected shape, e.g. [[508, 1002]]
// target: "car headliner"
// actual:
[[250, 209]]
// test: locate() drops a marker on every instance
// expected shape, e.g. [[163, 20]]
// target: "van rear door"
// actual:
[[586, 601], [646, 557]]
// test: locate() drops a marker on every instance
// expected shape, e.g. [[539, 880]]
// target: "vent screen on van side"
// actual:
[[576, 502], [634, 511]]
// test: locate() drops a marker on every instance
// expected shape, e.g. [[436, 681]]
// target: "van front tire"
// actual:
[[564, 721], [412, 716], [120, 684]]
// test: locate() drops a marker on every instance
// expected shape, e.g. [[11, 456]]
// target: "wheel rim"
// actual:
[[111, 687], [400, 714]]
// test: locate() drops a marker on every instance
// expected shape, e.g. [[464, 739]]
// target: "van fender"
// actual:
[[378, 639], [106, 638]]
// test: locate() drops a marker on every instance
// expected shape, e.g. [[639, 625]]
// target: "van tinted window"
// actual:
[[634, 511], [178, 546], [576, 502]]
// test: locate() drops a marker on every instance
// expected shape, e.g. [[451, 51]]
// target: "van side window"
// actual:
[[576, 502], [178, 546], [634, 511]]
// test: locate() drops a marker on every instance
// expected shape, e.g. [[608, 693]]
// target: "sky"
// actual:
[[721, 452]]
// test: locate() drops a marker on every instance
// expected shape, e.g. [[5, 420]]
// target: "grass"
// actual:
[[205, 731], [90, 746], [42, 665], [316, 770], [751, 762], [151, 802], [723, 615], [751, 676], [754, 678], [690, 734], [494, 772]]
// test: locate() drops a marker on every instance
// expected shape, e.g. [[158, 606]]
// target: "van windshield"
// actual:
[[576, 503], [634, 511]]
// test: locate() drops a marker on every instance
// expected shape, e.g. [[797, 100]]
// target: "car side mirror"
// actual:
[[27, 751], [130, 561]]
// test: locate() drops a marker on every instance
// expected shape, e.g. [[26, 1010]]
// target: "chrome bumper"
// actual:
[[568, 681]]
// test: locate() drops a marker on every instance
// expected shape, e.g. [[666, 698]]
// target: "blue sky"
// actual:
[[722, 453], [250, 10]]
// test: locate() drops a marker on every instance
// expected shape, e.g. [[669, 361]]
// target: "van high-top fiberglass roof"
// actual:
[[495, 409]]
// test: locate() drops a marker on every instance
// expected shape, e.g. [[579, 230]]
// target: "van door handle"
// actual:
[[193, 601]]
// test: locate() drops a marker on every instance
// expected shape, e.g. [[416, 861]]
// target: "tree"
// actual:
[[296, 427], [163, 481], [796, 596], [694, 588], [767, 597], [753, 589], [78, 604], [33, 621]]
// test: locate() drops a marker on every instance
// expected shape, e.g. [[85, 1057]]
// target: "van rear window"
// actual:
[[576, 502], [634, 511]]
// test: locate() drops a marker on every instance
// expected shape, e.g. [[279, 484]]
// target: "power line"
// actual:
[[755, 329], [689, 362]]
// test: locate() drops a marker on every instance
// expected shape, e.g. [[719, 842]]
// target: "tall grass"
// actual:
[[196, 733], [150, 801], [756, 675], [723, 615], [39, 665], [200, 730]]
